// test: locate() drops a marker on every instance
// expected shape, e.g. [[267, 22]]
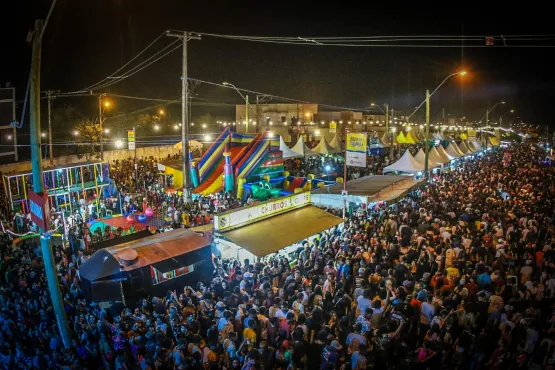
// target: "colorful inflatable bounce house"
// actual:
[[246, 165]]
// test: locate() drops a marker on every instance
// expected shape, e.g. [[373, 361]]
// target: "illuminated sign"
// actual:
[[247, 215], [40, 214], [333, 127], [356, 149]]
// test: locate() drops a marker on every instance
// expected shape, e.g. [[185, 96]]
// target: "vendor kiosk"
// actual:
[[148, 266], [274, 226]]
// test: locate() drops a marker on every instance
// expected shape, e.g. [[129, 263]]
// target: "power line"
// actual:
[[125, 65]]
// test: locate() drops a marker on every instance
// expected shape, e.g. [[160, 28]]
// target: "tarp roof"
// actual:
[[302, 149], [337, 144], [160, 247], [443, 153], [421, 158], [467, 147], [287, 153], [193, 145], [324, 147], [308, 221], [405, 164], [100, 265], [452, 151]]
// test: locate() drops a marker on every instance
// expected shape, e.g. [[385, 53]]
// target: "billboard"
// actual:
[[356, 149], [40, 213]]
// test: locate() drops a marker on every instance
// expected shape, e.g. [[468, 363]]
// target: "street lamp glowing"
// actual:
[[393, 129], [161, 111], [106, 104], [106, 130], [204, 125], [119, 143], [156, 127], [43, 134], [463, 73]]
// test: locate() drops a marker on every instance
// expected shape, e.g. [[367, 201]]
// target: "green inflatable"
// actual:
[[264, 191]]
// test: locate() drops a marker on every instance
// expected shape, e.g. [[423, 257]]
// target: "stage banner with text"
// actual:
[[333, 127], [356, 149]]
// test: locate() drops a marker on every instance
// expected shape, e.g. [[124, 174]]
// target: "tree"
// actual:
[[88, 137]]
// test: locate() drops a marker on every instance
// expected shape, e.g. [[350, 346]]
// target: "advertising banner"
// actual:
[[356, 149], [333, 127], [131, 139]]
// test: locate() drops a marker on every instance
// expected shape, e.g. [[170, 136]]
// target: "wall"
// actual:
[[110, 155]]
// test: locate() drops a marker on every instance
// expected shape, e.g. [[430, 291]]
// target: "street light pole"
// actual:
[[50, 152], [101, 127], [427, 143], [246, 113]]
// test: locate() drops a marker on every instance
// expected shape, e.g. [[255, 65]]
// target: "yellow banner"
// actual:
[[333, 127], [471, 132], [131, 139]]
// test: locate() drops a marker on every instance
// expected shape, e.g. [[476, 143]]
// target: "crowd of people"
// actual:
[[460, 274]]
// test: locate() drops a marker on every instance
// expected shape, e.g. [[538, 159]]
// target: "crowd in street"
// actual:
[[460, 274]]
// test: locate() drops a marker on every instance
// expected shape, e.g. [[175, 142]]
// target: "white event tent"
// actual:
[[405, 164], [302, 149], [287, 153], [337, 144], [452, 151], [323, 147], [443, 153], [421, 158]]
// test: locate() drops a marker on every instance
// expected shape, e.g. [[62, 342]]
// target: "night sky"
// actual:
[[88, 40]]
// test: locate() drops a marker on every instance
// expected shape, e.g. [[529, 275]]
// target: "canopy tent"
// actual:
[[323, 147], [452, 151], [287, 153], [456, 147], [469, 149], [443, 153], [385, 139], [494, 141], [337, 144], [462, 148], [308, 221], [302, 149], [420, 134], [421, 158], [401, 139], [410, 139], [475, 144], [435, 157], [406, 163]]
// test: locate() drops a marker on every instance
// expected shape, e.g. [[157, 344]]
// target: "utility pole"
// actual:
[[36, 162], [427, 143], [185, 37], [487, 121], [50, 152], [101, 127], [387, 131], [246, 114]]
